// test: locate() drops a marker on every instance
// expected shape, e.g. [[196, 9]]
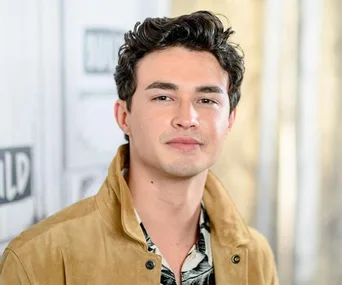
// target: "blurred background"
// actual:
[[280, 164]]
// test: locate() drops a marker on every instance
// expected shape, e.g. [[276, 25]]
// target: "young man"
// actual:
[[161, 217]]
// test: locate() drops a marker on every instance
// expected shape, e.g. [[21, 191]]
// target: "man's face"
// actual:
[[179, 114]]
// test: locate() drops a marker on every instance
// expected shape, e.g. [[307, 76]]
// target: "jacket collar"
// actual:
[[225, 222], [115, 201], [229, 226]]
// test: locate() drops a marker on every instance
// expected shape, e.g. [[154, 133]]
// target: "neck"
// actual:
[[167, 204]]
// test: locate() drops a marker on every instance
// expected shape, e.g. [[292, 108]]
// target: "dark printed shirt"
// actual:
[[198, 267]]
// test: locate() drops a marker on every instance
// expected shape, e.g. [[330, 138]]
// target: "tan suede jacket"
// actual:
[[99, 241]]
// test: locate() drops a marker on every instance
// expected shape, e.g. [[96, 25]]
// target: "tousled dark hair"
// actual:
[[199, 31]]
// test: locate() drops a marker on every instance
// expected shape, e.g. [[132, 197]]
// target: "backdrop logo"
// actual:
[[15, 174], [101, 48]]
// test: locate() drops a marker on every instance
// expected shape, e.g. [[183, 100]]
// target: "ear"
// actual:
[[121, 114], [231, 120]]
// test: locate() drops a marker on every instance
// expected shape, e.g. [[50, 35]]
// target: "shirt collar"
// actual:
[[202, 244]]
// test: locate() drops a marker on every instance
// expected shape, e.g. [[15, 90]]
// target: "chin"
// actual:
[[184, 170]]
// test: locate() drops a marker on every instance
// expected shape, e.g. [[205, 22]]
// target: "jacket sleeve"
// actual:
[[12, 271]]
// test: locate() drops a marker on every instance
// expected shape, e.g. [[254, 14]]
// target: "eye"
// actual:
[[207, 101], [162, 98]]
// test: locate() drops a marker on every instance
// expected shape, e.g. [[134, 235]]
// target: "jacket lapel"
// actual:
[[226, 271], [229, 235]]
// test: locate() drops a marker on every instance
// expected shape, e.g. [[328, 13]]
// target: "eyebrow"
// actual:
[[209, 89], [174, 87], [162, 85]]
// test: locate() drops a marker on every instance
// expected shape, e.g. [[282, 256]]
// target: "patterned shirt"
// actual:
[[198, 267]]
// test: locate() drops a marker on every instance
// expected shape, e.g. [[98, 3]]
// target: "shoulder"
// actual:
[[37, 255], [53, 230], [260, 244]]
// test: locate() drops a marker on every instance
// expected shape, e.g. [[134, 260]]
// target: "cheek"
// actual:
[[147, 125], [217, 126]]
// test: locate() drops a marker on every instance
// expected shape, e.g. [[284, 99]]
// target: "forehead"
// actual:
[[183, 67]]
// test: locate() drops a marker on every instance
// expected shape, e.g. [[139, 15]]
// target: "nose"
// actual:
[[186, 117]]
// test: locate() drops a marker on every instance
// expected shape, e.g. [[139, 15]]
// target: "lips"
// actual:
[[184, 140], [184, 143]]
